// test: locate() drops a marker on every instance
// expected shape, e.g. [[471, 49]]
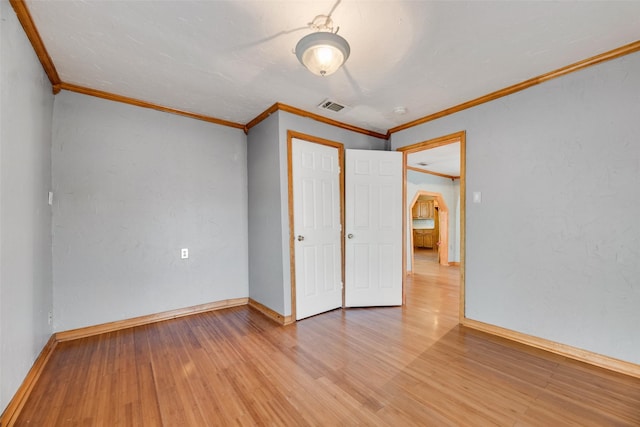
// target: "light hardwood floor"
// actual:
[[382, 366]]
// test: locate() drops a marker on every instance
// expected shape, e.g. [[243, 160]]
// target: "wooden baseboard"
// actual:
[[579, 354], [144, 320], [454, 263], [271, 314], [11, 412]]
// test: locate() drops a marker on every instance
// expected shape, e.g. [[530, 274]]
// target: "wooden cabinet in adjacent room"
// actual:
[[424, 238], [429, 239], [423, 209]]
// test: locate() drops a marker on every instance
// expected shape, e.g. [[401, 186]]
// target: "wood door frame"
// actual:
[[292, 256], [426, 145], [442, 235]]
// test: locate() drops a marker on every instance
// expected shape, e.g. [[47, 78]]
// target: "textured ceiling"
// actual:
[[233, 59]]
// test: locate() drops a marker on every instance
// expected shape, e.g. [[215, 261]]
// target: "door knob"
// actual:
[[349, 236], [300, 238]]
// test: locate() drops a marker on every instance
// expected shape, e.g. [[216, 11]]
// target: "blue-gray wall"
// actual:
[[266, 274], [133, 186], [552, 250], [25, 217]]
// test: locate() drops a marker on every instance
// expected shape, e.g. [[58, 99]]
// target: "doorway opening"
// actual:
[[436, 168]]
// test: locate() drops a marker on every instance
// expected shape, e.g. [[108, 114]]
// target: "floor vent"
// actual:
[[331, 106]]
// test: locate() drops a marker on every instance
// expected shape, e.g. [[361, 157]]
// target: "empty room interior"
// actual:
[[339, 212]]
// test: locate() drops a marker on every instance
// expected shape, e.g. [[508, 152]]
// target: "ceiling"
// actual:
[[233, 59], [443, 160]]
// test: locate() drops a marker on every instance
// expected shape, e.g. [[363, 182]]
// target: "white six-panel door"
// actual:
[[317, 228], [373, 228]]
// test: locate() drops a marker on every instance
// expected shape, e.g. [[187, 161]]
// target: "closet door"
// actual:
[[373, 228], [317, 228]]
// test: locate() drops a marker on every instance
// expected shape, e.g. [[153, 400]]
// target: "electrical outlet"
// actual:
[[184, 253], [50, 319]]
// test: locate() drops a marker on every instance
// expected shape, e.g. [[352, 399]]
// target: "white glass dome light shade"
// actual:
[[322, 52]]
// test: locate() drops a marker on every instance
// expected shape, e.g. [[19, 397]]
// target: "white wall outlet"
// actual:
[[184, 253], [50, 198], [50, 318]]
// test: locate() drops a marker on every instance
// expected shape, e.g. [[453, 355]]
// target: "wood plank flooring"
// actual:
[[382, 366]]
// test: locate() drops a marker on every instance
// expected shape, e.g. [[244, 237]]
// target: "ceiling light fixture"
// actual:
[[324, 51]]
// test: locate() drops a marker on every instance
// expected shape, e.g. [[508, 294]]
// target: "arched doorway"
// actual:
[[440, 217]]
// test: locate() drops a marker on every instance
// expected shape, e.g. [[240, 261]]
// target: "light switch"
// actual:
[[477, 197]]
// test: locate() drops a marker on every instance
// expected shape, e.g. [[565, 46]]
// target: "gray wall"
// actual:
[[25, 217], [450, 190], [266, 273], [132, 187], [552, 250]]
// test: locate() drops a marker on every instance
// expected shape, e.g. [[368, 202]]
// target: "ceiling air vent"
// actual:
[[327, 104]]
